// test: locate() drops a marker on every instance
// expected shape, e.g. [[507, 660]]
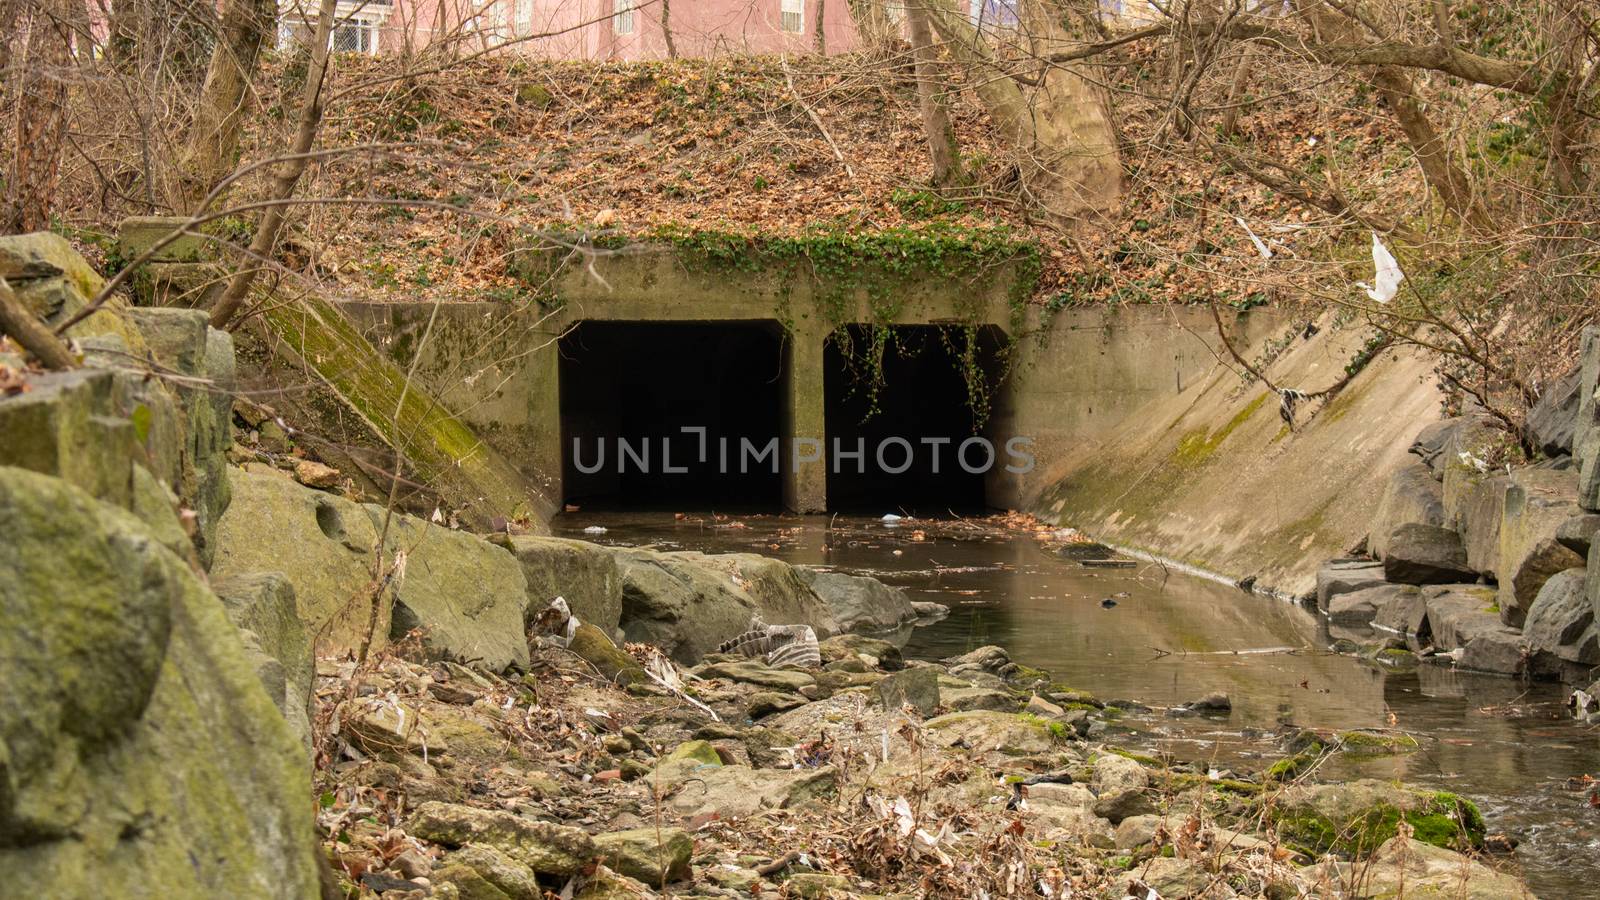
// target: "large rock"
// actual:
[[859, 603], [989, 732], [321, 543], [1412, 496], [1404, 867], [1362, 607], [181, 341], [1341, 576], [262, 605], [144, 759], [176, 425], [467, 595], [1588, 453], [585, 574], [1357, 817], [1479, 508], [613, 663], [1439, 442], [1425, 554], [1457, 613], [479, 870], [917, 688], [1577, 533], [1560, 625], [737, 791], [1402, 612], [652, 855], [1465, 618], [541, 846], [48, 429], [1588, 380], [1552, 420], [1537, 503], [689, 603]]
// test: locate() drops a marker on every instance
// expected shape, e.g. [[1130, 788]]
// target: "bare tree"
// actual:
[[1058, 122], [41, 117], [941, 134], [288, 172], [212, 149]]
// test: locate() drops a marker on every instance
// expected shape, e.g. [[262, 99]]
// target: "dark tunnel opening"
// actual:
[[920, 419], [629, 388]]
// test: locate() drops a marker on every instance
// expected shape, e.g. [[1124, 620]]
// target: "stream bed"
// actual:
[[1166, 638]]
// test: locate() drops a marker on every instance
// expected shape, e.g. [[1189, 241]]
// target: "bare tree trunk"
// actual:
[[872, 22], [1399, 92], [666, 28], [213, 145], [820, 38], [1241, 74], [41, 125], [1066, 148], [941, 134], [1564, 30], [287, 175], [10, 12], [30, 333], [1450, 182]]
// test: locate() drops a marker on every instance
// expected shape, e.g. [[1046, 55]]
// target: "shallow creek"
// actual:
[[1170, 638]]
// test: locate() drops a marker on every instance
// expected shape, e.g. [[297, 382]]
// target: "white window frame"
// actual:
[[364, 30], [792, 11], [365, 16], [622, 19]]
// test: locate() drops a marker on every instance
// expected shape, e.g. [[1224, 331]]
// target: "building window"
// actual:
[[794, 16], [993, 13], [622, 18], [354, 36]]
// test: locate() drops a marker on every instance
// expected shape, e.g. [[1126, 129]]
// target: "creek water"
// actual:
[[1170, 638]]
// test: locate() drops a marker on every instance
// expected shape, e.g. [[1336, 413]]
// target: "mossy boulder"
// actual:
[[689, 603], [1376, 743], [585, 574], [612, 662], [262, 606], [324, 545], [1354, 818], [1417, 870], [652, 855], [480, 870], [146, 758], [699, 751], [466, 596], [1010, 734]]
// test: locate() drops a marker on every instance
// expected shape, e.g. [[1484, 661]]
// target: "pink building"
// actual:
[[595, 29]]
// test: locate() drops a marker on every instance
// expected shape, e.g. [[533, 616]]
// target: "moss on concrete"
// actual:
[[1196, 446], [447, 453]]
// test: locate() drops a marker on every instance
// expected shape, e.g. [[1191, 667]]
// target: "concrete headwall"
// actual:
[[1074, 376], [1212, 477]]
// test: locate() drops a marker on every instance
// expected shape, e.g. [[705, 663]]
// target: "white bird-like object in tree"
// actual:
[[1387, 275]]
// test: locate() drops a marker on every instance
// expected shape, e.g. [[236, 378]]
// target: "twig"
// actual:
[[815, 119]]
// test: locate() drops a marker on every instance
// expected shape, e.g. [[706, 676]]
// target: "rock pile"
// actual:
[[1480, 563]]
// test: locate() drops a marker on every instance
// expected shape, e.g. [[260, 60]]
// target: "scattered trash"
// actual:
[[1261, 248], [1386, 276], [780, 645], [557, 622]]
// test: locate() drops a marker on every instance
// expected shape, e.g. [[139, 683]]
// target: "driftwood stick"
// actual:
[[16, 321]]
